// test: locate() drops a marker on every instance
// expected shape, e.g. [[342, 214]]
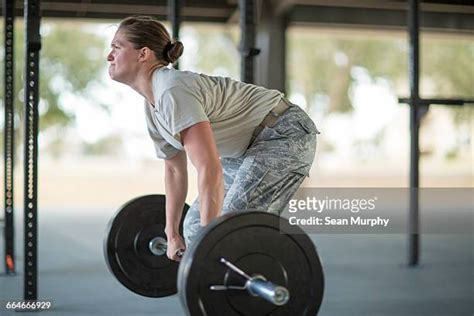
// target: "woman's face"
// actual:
[[123, 59]]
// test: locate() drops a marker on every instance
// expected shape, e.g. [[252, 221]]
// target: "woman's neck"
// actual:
[[144, 84]]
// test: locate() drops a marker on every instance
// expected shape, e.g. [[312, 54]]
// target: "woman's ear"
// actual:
[[144, 54]]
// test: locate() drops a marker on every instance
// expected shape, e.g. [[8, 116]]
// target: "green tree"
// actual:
[[217, 47], [322, 64], [312, 63], [71, 59]]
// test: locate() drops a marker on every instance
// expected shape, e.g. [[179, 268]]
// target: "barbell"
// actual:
[[158, 246], [242, 263], [256, 285]]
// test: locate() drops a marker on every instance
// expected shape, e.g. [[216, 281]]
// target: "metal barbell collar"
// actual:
[[256, 285]]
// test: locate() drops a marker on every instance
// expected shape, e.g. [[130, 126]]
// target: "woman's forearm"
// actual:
[[176, 186], [211, 193]]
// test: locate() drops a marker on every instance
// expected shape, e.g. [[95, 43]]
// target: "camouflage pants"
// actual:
[[269, 173]]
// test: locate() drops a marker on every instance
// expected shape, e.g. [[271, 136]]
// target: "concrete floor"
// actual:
[[365, 274]]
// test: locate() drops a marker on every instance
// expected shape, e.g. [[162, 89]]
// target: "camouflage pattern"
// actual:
[[269, 173]]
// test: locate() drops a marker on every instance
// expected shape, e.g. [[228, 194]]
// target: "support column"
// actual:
[[247, 40], [9, 132], [271, 39], [414, 71], [174, 15], [33, 47]]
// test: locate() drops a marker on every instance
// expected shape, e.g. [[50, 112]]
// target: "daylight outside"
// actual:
[[94, 148]]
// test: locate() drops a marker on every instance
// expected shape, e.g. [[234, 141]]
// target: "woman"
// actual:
[[251, 148]]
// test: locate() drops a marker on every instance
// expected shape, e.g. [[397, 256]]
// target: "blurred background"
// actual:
[[94, 149]]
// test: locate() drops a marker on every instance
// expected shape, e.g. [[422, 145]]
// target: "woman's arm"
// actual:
[[199, 144], [176, 186]]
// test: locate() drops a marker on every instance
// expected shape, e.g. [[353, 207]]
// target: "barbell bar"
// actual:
[[159, 245], [256, 285]]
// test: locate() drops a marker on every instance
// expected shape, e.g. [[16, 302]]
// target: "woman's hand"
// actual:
[[176, 245]]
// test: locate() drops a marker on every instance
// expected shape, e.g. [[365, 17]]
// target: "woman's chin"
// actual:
[[112, 76]]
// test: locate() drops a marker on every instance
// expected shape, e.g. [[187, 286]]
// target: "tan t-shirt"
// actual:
[[184, 98]]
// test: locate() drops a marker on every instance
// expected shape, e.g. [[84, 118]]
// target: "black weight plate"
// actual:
[[127, 252], [254, 243]]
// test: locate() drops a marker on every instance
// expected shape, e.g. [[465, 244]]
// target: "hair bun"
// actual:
[[172, 51]]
